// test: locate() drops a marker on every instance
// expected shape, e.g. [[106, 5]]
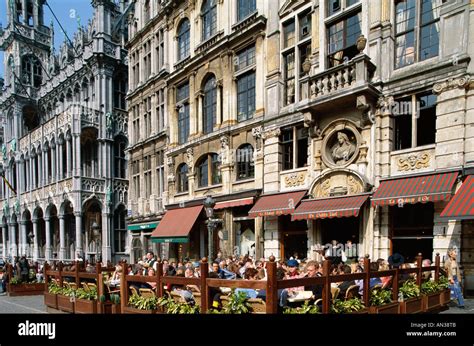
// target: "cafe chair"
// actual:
[[178, 298], [147, 292], [257, 305], [197, 298], [335, 292], [352, 292], [132, 289]]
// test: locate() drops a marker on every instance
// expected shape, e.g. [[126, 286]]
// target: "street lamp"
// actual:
[[209, 204]]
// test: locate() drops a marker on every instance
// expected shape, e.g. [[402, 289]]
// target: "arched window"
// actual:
[[209, 19], [183, 40], [183, 185], [208, 170], [120, 161], [244, 162], [120, 235], [209, 105], [31, 71]]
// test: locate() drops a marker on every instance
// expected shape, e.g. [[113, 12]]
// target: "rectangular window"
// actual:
[[246, 96], [182, 100], [287, 149], [160, 184], [160, 109], [147, 59], [419, 110], [342, 39], [289, 34], [302, 147], [416, 30], [245, 58], [305, 25], [336, 6], [245, 8], [289, 75], [147, 175]]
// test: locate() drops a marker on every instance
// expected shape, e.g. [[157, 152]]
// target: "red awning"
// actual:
[[177, 222], [234, 203], [461, 207], [417, 189], [277, 204], [323, 208]]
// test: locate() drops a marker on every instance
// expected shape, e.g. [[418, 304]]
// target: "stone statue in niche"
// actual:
[[343, 150]]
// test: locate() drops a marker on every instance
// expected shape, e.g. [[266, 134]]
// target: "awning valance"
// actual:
[[142, 226], [461, 207], [277, 204], [415, 189], [234, 203], [322, 208], [177, 223]]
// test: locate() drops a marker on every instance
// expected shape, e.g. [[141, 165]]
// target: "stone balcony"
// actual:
[[338, 86]]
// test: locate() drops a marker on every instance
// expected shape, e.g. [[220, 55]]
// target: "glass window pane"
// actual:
[[305, 25], [405, 50], [289, 34], [429, 41], [430, 10], [405, 15]]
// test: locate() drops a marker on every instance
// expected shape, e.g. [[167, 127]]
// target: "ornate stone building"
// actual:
[[65, 132], [357, 114], [147, 104]]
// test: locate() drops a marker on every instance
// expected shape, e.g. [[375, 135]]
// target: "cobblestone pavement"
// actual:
[[453, 307], [22, 305]]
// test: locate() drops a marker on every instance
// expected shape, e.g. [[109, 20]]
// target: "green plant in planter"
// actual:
[[238, 304], [15, 281], [443, 283], [380, 297], [409, 289], [347, 306], [54, 288], [306, 308], [143, 303], [115, 299], [429, 287], [89, 295]]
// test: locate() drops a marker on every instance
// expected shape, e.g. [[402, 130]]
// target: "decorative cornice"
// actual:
[[270, 133]]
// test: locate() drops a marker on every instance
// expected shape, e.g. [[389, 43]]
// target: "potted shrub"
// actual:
[[141, 305], [381, 302], [86, 301], [237, 304], [431, 295], [443, 285], [18, 288], [115, 300], [410, 299], [306, 308], [66, 298], [350, 306], [51, 297]]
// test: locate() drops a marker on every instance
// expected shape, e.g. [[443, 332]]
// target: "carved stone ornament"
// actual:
[[340, 145], [295, 179], [337, 183], [452, 83], [190, 157], [413, 162], [270, 133], [257, 132], [224, 142]]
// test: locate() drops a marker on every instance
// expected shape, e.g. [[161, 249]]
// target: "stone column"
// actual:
[[60, 160], [77, 155], [13, 244], [23, 241], [32, 175], [78, 216], [106, 247], [62, 238], [68, 156], [35, 240], [192, 109], [28, 176], [48, 253], [272, 156], [218, 105], [199, 127], [4, 241], [44, 167]]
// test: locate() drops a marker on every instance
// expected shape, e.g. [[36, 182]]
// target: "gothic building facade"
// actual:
[[64, 136]]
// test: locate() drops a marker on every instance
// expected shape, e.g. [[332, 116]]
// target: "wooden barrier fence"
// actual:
[[272, 285]]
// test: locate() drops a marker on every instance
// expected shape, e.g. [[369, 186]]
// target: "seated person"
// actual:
[[250, 274], [115, 278], [343, 286], [313, 269]]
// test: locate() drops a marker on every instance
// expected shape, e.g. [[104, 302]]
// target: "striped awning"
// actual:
[[323, 208], [461, 207], [416, 189], [234, 203], [176, 224], [277, 204]]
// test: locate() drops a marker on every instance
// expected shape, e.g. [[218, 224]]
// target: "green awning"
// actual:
[[142, 226], [170, 240]]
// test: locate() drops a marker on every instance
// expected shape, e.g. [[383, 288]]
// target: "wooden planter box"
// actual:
[[363, 311], [51, 300], [116, 309], [65, 304], [431, 301], [391, 308], [85, 306], [412, 306], [445, 297], [25, 289], [130, 310]]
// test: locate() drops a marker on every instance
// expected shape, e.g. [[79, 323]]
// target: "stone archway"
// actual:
[[339, 182]]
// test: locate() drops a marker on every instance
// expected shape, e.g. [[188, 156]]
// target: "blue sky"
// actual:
[[67, 11]]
